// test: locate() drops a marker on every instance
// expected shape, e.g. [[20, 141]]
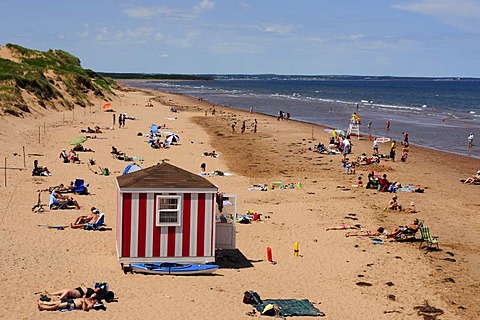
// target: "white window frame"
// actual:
[[178, 209]]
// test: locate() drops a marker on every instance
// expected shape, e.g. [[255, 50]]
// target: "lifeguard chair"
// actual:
[[354, 127]]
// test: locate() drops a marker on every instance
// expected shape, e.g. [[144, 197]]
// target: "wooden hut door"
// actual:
[[225, 223]]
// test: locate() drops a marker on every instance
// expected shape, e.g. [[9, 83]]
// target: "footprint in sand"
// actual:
[[363, 284]]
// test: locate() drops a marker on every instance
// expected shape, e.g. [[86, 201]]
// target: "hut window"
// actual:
[[168, 210]]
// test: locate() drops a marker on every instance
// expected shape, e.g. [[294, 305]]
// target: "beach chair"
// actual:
[[428, 238], [408, 233], [79, 187], [54, 204], [97, 225]]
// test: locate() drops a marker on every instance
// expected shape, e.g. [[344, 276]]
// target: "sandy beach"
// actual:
[[346, 278]]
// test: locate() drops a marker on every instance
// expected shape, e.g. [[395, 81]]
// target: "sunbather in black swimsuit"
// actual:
[[71, 304], [88, 294]]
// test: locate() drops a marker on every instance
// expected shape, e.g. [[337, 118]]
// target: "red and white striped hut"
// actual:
[[165, 214]]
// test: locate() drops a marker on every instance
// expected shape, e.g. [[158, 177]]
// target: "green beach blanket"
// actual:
[[292, 307]]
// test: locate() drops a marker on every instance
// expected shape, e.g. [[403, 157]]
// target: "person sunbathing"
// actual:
[[473, 179], [115, 152], [58, 199], [84, 304], [80, 148], [83, 221], [39, 170], [73, 157], [380, 231], [344, 227], [83, 292], [411, 229]]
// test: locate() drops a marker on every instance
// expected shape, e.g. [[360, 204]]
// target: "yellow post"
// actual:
[[296, 249]]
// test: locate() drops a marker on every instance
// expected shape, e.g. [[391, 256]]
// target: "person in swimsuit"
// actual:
[[411, 228], [83, 292], [79, 292], [82, 221], [380, 231], [344, 226], [84, 304]]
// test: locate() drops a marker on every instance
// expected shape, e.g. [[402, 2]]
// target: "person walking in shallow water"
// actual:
[[387, 124], [470, 140]]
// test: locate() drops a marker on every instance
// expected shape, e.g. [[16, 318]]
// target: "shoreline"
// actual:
[[440, 137], [37, 260]]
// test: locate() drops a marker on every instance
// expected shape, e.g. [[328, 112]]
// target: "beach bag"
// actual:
[[251, 297], [101, 285], [105, 172]]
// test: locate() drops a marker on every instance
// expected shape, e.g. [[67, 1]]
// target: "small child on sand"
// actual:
[[360, 182]]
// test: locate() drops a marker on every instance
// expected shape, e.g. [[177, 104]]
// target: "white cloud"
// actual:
[[205, 5], [460, 14], [150, 12], [186, 42], [159, 36], [443, 8], [352, 37], [85, 32], [134, 34], [103, 35], [164, 56], [278, 29], [245, 5]]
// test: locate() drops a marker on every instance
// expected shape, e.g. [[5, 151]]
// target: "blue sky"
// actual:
[[355, 37]]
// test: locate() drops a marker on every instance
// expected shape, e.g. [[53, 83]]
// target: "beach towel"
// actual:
[[291, 307]]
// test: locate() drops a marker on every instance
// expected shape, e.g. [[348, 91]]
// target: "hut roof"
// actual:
[[164, 176]]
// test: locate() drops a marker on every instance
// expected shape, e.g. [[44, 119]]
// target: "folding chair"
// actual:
[[97, 225], [428, 238], [79, 187]]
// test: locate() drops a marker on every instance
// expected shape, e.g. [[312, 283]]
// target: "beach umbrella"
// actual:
[[340, 132], [77, 140], [131, 168], [173, 138], [106, 106], [154, 128], [331, 131]]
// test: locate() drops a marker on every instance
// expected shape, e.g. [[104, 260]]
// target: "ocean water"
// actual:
[[437, 113]]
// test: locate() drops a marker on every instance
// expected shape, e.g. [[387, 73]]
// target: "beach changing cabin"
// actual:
[[165, 214]]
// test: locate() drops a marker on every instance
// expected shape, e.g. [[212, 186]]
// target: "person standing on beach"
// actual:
[[470, 140], [233, 127], [114, 119], [387, 124], [255, 126], [393, 146], [243, 127], [375, 147], [405, 138]]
